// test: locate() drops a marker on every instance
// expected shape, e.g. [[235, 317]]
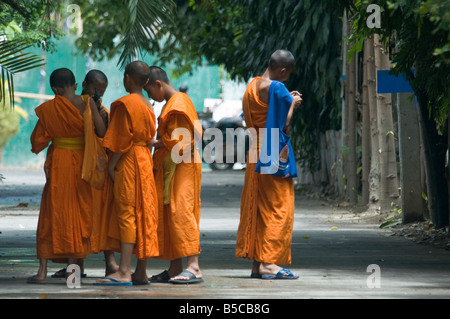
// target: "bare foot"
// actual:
[[36, 279], [269, 269], [197, 273], [139, 277], [111, 269]]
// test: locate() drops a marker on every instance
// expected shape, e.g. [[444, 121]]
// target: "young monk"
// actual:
[[132, 127], [178, 184], [94, 85], [267, 205], [65, 217]]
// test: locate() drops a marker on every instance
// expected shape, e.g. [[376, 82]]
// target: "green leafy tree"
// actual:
[[417, 34], [124, 28], [21, 26]]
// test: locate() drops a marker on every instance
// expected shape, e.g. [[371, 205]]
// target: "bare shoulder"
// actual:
[[78, 102], [263, 86], [146, 101]]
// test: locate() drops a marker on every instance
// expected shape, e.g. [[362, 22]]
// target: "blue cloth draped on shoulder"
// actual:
[[277, 156]]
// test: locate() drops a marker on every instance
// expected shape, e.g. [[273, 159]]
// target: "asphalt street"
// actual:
[[337, 254]]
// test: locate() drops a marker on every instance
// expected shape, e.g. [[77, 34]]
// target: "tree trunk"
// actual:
[[374, 174], [388, 160], [409, 153], [350, 162], [365, 130]]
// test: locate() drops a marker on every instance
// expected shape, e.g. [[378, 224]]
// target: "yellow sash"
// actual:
[[140, 143], [169, 167], [69, 143]]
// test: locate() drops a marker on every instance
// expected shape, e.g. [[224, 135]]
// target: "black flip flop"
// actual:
[[186, 273], [163, 277]]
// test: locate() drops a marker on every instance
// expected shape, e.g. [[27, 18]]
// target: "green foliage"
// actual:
[[30, 21], [418, 35], [22, 25], [9, 125], [13, 60], [142, 25], [119, 27]]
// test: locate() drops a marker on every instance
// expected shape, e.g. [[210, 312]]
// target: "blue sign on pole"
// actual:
[[391, 83]]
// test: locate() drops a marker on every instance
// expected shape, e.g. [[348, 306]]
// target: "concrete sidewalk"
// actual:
[[331, 251]]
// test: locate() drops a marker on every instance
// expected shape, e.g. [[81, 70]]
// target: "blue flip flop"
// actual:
[[113, 282], [282, 274]]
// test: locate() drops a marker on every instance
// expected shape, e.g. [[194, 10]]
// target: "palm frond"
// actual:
[[145, 18], [13, 60]]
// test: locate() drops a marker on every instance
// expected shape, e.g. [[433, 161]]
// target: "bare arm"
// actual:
[[297, 101], [100, 127], [112, 164], [102, 112]]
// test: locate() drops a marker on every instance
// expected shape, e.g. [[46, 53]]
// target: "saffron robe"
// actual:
[[65, 217], [267, 202], [179, 220], [131, 129], [105, 232]]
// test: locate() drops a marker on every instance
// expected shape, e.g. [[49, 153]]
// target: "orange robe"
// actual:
[[65, 217], [178, 230], [132, 127], [267, 203], [105, 227]]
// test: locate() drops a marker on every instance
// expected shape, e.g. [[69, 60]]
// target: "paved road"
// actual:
[[331, 251]]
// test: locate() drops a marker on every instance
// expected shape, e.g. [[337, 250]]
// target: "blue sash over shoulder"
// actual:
[[277, 156]]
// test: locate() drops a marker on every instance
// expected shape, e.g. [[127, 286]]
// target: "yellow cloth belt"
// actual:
[[140, 143], [69, 143], [169, 167]]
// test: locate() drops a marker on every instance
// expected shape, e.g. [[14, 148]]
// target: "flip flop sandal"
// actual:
[[140, 283], [62, 274], [191, 278], [163, 277], [282, 274], [112, 282]]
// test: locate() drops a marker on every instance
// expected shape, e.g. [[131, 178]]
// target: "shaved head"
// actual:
[[62, 78], [95, 76], [138, 71], [157, 74], [282, 59]]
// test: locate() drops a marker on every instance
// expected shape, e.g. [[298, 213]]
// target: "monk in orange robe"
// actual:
[[65, 217], [267, 204], [94, 85], [178, 179], [105, 227], [132, 127]]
